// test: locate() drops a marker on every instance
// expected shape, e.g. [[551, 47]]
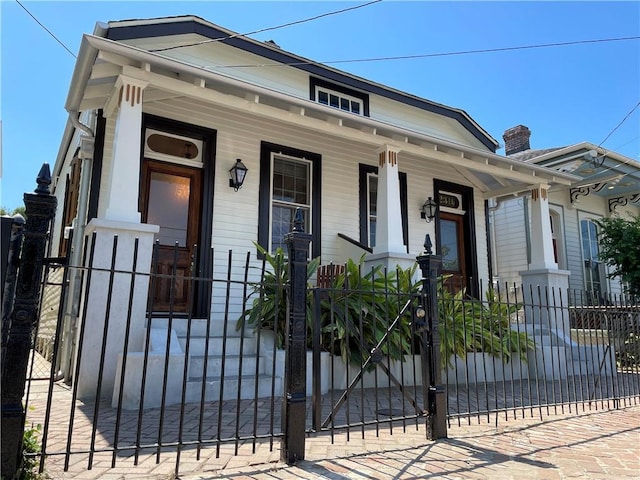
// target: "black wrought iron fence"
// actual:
[[519, 357], [160, 384]]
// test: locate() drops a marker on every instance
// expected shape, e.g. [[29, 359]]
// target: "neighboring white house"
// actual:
[[161, 109], [608, 185]]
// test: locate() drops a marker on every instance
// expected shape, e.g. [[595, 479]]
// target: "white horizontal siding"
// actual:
[[235, 213], [510, 241]]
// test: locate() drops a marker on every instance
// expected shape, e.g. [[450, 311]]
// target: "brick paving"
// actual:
[[603, 444], [554, 443]]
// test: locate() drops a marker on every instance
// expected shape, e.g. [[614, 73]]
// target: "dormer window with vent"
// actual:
[[339, 97]]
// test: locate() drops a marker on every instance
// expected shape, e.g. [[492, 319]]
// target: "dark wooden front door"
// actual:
[[453, 251], [171, 197]]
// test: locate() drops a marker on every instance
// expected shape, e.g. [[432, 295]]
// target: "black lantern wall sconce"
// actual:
[[237, 174], [429, 210]]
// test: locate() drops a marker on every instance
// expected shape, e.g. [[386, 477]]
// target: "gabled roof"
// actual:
[[101, 61], [189, 24]]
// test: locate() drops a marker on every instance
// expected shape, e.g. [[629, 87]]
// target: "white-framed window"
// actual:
[[593, 268], [339, 96], [169, 147], [557, 236], [290, 178], [291, 188], [339, 100], [372, 207]]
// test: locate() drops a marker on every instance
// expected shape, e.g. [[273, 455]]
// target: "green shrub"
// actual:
[[268, 308], [357, 309], [469, 325], [30, 449]]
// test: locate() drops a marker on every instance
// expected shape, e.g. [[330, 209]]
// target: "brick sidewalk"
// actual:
[[598, 444], [593, 445]]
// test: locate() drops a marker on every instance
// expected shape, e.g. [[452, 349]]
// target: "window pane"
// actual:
[[372, 231], [450, 260], [169, 207], [176, 147], [282, 222], [373, 195], [323, 97], [291, 189], [334, 101], [345, 104], [355, 107]]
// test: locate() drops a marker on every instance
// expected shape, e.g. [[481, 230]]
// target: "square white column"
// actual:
[[389, 222], [542, 255], [124, 176]]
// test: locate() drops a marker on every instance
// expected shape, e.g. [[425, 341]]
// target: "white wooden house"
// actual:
[[161, 109], [608, 184]]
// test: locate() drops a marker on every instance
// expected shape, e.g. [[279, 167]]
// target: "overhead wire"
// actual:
[[360, 60], [266, 29], [46, 29], [619, 124], [428, 55]]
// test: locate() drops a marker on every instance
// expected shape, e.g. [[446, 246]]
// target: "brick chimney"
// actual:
[[516, 140]]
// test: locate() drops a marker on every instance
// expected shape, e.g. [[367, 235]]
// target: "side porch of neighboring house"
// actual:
[[147, 155], [607, 185]]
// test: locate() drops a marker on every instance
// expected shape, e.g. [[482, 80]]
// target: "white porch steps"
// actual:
[[244, 370]]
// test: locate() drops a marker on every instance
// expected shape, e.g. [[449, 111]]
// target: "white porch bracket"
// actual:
[[541, 237], [389, 222], [124, 177]]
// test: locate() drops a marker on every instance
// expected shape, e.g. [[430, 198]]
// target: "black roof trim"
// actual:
[[192, 26]]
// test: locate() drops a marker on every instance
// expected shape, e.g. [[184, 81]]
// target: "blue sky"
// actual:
[[565, 95]]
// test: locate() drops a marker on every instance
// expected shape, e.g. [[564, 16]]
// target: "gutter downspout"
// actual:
[[72, 301], [81, 74]]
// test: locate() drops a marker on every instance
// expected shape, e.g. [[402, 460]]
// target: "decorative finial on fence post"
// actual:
[[428, 245], [298, 221], [43, 180]]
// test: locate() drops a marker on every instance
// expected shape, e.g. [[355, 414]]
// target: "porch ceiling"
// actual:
[[101, 61]]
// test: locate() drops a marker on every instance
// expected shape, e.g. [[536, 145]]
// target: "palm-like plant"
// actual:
[[268, 309], [469, 325], [361, 311]]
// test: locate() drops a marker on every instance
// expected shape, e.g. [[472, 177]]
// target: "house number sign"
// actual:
[[449, 201]]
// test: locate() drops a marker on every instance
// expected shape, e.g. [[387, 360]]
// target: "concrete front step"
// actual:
[[198, 326], [267, 386], [231, 365], [197, 345]]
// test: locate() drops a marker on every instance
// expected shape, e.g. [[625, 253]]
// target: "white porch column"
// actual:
[[541, 238], [124, 178], [389, 221]]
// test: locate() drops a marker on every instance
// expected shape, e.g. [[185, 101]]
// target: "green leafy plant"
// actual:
[[30, 460], [358, 309], [268, 309], [618, 241], [468, 325]]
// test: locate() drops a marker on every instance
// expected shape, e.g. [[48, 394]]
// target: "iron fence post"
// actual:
[[40, 209], [10, 270], [435, 392], [295, 382]]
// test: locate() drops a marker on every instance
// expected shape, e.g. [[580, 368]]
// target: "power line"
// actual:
[[430, 55], [619, 124], [48, 31], [267, 28], [627, 142]]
